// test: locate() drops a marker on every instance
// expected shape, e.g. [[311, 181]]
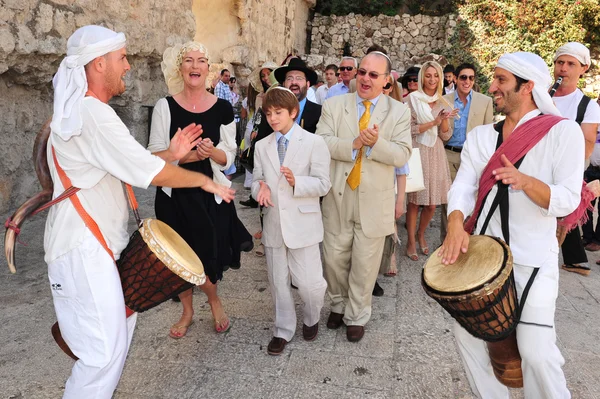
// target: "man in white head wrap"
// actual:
[[546, 184], [571, 61], [97, 153]]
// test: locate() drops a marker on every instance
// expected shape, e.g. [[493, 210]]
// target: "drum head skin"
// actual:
[[483, 260], [173, 251]]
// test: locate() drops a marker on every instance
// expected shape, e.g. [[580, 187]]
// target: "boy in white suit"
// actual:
[[291, 172]]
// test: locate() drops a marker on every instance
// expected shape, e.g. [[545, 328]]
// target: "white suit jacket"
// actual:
[[295, 219], [339, 126]]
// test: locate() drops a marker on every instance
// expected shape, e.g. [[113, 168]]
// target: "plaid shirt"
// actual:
[[222, 91]]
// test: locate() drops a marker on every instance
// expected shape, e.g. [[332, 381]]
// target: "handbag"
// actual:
[[414, 179]]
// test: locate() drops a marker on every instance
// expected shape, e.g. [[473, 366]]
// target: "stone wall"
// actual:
[[405, 37]]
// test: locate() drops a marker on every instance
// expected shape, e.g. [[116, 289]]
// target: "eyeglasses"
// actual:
[[346, 68], [372, 74], [412, 80], [295, 78], [465, 77]]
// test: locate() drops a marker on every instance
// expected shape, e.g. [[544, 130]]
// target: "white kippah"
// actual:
[[574, 49], [532, 67], [70, 83]]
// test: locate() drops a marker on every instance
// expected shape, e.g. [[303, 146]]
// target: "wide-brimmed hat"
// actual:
[[296, 64], [412, 71], [254, 77]]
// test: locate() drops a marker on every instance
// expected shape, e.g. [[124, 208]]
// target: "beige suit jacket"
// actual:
[[295, 219], [480, 113], [339, 126]]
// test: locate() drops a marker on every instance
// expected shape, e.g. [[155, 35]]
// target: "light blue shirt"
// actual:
[[287, 136], [460, 126], [337, 90], [302, 104], [361, 111], [403, 170]]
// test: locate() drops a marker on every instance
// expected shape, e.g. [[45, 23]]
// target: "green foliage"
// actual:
[[363, 7], [486, 29]]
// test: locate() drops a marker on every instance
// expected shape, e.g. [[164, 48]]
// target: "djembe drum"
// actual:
[[156, 265], [479, 292]]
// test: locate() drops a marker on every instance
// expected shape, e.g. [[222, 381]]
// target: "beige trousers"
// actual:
[[352, 263], [453, 164]]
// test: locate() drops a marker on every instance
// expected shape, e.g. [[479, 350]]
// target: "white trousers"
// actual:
[[541, 362], [303, 266], [90, 309]]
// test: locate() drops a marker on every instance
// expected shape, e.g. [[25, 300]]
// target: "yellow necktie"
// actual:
[[354, 176]]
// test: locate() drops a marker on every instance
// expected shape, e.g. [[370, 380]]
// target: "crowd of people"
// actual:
[[327, 173]]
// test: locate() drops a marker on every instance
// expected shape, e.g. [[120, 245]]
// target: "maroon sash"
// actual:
[[522, 139]]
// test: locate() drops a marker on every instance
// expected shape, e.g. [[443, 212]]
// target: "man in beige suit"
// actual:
[[475, 109], [367, 134], [291, 173]]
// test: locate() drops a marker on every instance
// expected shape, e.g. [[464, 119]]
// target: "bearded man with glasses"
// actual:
[[367, 134], [475, 109]]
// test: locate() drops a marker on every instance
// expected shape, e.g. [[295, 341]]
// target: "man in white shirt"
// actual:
[[98, 154], [571, 61], [330, 80], [546, 185], [449, 79], [347, 69]]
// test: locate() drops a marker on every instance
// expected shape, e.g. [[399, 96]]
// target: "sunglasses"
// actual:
[[346, 68], [412, 80], [465, 77], [373, 75]]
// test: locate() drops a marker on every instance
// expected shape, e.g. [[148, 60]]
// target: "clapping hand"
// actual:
[[369, 135], [264, 195], [204, 149], [185, 140]]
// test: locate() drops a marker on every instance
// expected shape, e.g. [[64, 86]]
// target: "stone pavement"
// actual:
[[408, 350]]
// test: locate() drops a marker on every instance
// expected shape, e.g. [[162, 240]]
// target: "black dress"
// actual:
[[213, 230]]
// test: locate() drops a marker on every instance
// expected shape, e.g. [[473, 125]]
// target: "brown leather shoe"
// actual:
[[310, 333], [355, 333], [592, 247], [276, 346], [335, 320]]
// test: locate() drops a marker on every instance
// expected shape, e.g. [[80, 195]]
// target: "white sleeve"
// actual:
[[159, 130], [592, 113], [227, 144], [463, 192], [567, 173]]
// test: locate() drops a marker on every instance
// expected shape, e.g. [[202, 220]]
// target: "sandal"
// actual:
[[223, 325], [178, 331], [414, 257], [393, 274], [260, 250], [581, 268]]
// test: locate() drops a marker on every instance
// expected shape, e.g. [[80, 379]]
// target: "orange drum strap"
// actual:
[[87, 219]]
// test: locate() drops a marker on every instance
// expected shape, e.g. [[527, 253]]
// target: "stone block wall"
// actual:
[[33, 41], [405, 37]]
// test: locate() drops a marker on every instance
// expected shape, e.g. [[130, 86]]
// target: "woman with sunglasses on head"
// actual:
[[429, 125]]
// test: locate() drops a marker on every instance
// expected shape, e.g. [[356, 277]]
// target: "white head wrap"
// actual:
[[574, 49], [70, 83], [532, 67], [420, 102], [171, 64]]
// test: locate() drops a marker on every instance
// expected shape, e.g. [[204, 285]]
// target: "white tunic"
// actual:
[[556, 160], [96, 161]]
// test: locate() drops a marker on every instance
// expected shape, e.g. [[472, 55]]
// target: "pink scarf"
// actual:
[[522, 139]]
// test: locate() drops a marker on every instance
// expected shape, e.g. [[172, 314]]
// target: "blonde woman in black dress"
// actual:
[[209, 225]]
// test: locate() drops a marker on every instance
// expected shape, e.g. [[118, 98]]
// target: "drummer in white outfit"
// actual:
[[97, 152], [547, 185]]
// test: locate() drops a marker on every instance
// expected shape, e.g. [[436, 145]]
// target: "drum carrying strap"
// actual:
[[71, 193], [501, 200]]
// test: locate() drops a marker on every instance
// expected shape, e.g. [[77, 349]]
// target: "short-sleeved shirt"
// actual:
[[103, 156]]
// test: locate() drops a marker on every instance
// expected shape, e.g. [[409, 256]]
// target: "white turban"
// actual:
[[576, 50], [70, 84], [532, 67]]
